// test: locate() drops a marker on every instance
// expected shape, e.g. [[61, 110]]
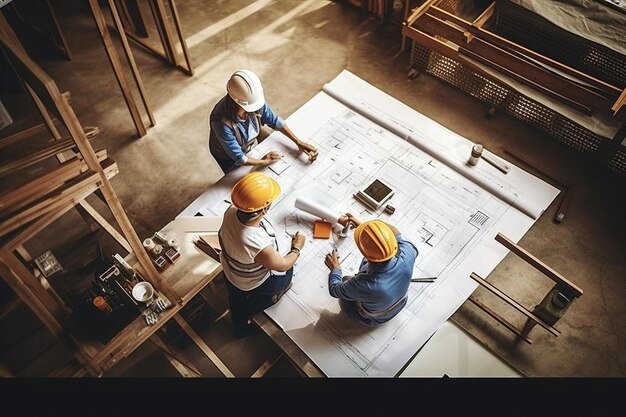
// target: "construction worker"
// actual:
[[235, 123], [378, 292], [257, 274]]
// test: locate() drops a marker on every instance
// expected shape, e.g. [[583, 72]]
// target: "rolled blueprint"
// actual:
[[508, 196], [316, 209]]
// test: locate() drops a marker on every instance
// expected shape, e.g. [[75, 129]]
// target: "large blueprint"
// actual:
[[449, 210]]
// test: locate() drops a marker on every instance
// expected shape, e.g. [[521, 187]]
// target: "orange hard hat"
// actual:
[[376, 240], [254, 192]]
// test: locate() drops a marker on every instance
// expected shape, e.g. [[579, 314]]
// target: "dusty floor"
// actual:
[[296, 47]]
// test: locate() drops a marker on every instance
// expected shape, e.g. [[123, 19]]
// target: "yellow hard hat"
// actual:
[[376, 241], [254, 192]]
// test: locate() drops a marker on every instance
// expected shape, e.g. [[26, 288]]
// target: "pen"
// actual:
[[426, 279]]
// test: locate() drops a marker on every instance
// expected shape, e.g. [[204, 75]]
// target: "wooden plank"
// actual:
[[184, 367], [528, 72], [131, 61], [296, 356], [57, 199], [106, 225], [538, 265], [133, 17], [514, 303], [40, 224], [539, 87], [39, 156], [505, 43], [416, 13], [28, 288], [183, 43], [50, 181], [266, 366], [167, 47], [619, 103], [72, 193], [117, 67], [203, 346], [77, 132], [57, 32], [21, 135], [499, 319], [47, 119]]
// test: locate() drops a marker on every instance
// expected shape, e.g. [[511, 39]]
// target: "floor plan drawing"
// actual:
[[445, 214]]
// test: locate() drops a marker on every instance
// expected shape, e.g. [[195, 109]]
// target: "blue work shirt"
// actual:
[[223, 142], [379, 288]]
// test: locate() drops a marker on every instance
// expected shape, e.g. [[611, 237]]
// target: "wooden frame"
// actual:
[[562, 286], [485, 53], [30, 209], [134, 26]]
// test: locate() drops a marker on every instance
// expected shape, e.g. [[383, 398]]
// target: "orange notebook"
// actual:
[[322, 229]]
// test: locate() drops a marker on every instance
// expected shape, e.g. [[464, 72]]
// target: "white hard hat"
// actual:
[[245, 88]]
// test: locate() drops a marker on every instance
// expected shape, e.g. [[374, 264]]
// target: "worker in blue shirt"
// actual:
[[378, 292], [235, 123]]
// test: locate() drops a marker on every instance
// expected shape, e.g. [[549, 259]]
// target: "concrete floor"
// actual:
[[296, 47]]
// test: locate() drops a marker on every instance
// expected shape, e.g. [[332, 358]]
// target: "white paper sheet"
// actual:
[[451, 213]]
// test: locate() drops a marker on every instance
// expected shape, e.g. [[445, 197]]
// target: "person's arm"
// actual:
[[267, 159], [271, 259], [338, 285], [274, 121], [302, 146]]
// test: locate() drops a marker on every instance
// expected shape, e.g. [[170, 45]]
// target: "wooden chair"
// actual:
[[548, 311]]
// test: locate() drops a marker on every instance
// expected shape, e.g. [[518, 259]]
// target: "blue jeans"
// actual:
[[244, 304]]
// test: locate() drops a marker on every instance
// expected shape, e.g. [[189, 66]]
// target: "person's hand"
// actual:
[[271, 157], [348, 217], [309, 149], [297, 241], [332, 260]]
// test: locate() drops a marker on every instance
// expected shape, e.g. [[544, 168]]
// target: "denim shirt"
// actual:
[[224, 135], [377, 286]]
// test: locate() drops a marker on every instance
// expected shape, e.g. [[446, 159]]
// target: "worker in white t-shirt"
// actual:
[[257, 274]]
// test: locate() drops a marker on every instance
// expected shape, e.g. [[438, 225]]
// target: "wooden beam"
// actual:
[[29, 289], [164, 29], [183, 43], [528, 72], [72, 193], [409, 20], [538, 265], [106, 225], [619, 103], [512, 46], [50, 181], [131, 60], [57, 33], [266, 366], [47, 119], [174, 358], [42, 155], [117, 66], [22, 134], [203, 346], [514, 303], [499, 319], [36, 227]]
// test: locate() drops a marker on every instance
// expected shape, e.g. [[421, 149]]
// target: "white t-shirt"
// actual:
[[240, 245]]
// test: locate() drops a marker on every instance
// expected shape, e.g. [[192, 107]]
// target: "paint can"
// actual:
[[477, 150]]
